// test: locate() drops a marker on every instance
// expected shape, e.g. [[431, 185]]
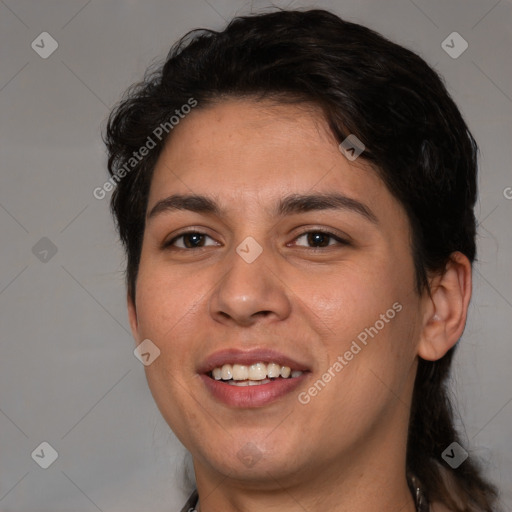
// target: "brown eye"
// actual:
[[319, 239], [190, 240]]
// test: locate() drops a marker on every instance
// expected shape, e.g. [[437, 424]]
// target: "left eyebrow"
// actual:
[[295, 203]]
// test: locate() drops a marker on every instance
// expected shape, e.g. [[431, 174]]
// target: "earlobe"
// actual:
[[445, 308]]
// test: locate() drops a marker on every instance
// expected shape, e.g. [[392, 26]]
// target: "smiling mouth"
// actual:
[[256, 374]]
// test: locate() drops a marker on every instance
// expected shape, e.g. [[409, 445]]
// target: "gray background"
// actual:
[[68, 375]]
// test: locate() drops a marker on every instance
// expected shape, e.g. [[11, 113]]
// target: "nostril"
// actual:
[[262, 313]]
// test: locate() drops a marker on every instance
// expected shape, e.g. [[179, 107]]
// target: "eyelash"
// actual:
[[341, 241]]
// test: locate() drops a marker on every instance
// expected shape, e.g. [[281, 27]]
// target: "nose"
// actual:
[[250, 292]]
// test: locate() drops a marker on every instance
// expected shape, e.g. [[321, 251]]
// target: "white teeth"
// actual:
[[273, 370], [257, 373], [244, 383], [285, 371], [240, 372], [226, 372]]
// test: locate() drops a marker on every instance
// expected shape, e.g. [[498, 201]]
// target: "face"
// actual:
[[289, 255]]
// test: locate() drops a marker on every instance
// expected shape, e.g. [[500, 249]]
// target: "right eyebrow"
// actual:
[[194, 203]]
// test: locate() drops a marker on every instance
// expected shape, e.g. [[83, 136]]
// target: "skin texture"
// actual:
[[345, 449]]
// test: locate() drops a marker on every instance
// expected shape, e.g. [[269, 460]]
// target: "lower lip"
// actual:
[[252, 396]]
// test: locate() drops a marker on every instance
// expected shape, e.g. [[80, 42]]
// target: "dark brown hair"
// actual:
[[365, 85]]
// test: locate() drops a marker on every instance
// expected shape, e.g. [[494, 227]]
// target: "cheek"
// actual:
[[166, 313], [367, 316], [351, 297], [370, 361], [164, 300]]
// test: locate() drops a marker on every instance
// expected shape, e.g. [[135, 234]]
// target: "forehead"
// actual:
[[250, 130], [249, 152]]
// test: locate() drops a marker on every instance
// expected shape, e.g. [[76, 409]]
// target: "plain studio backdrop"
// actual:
[[68, 375]]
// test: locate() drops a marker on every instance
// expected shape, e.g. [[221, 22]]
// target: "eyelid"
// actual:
[[190, 230], [339, 236]]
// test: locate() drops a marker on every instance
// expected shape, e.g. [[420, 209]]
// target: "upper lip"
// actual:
[[248, 357]]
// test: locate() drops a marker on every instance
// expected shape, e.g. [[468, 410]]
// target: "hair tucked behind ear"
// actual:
[[365, 85]]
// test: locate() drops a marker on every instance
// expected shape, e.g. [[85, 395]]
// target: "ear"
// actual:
[[132, 316], [445, 308]]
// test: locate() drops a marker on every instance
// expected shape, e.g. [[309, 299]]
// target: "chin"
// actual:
[[256, 461]]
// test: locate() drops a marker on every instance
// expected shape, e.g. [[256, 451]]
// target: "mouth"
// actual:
[[251, 379], [256, 374]]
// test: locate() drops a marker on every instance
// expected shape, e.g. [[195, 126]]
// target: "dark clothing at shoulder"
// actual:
[[191, 503]]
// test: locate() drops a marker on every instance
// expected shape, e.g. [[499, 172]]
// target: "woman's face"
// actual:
[[322, 285]]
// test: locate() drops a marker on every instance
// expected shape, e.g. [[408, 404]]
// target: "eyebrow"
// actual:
[[295, 203]]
